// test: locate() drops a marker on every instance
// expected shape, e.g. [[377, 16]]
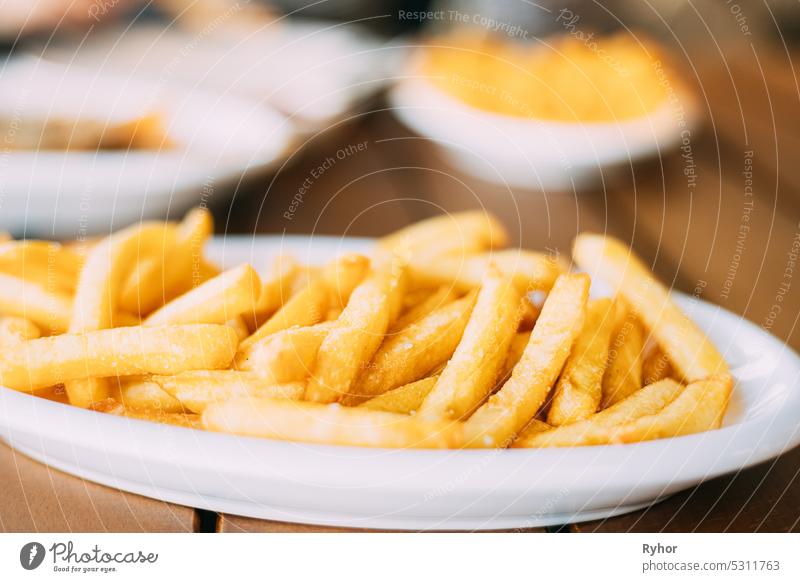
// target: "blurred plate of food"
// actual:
[[557, 113], [314, 72], [84, 152]]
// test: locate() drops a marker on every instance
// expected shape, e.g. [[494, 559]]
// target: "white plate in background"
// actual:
[[530, 153], [313, 71], [217, 139], [417, 489]]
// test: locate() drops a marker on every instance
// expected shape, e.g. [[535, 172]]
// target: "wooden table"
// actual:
[[689, 233]]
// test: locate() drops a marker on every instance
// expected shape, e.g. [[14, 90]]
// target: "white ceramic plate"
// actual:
[[417, 489], [529, 153], [313, 71], [217, 139]]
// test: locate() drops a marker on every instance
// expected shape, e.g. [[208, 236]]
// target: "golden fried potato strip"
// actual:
[[403, 400], [218, 300], [529, 270], [414, 351], [477, 363], [125, 351], [693, 355], [356, 335], [497, 422], [579, 389], [330, 424], [623, 375], [198, 390], [457, 233], [597, 428]]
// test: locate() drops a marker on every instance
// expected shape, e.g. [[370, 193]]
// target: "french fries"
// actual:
[[700, 407], [403, 400], [328, 424], [579, 389], [125, 351], [497, 422], [355, 337], [276, 288], [111, 406], [285, 356], [597, 429], [306, 307], [158, 278], [142, 393], [478, 361], [690, 351], [198, 390], [50, 310], [413, 352], [461, 232], [530, 271], [97, 293], [439, 298], [623, 375], [433, 340], [216, 301]]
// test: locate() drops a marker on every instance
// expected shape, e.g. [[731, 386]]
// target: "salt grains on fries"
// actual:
[[432, 341]]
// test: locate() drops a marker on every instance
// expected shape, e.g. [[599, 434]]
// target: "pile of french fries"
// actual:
[[441, 338]]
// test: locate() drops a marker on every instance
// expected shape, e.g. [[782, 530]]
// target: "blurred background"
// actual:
[[671, 124]]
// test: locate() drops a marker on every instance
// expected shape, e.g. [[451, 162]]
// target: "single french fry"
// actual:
[[343, 275], [699, 408], [623, 376], [413, 352], [403, 400], [198, 390], [125, 319], [216, 301], [97, 293], [14, 330], [460, 232], [331, 424], [307, 307], [125, 351], [275, 290], [285, 356], [433, 301], [597, 428], [530, 271], [580, 388], [155, 279], [142, 393], [355, 336], [656, 366], [477, 363], [111, 406], [693, 355], [498, 421], [49, 310]]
